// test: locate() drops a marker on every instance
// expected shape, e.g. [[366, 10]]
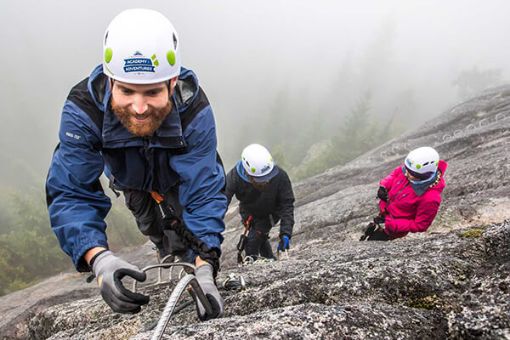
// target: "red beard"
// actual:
[[150, 121]]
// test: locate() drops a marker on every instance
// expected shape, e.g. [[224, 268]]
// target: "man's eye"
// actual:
[[126, 91], [153, 93]]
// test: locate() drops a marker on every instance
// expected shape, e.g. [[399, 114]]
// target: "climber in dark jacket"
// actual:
[[144, 120], [265, 197]]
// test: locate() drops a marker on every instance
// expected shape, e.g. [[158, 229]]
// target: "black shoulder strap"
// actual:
[[81, 96], [193, 109]]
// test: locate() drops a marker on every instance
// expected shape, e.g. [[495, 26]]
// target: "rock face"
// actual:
[[451, 282]]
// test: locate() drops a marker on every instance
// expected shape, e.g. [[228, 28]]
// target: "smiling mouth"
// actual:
[[141, 118]]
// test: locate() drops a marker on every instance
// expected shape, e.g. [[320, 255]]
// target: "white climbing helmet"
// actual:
[[422, 162], [141, 46], [258, 163]]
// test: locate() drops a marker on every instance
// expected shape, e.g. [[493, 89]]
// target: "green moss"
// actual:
[[426, 302], [473, 232]]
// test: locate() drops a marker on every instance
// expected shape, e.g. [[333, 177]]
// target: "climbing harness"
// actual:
[[243, 239], [186, 277], [171, 221]]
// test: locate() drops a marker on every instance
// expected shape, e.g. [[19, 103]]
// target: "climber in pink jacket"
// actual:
[[410, 196]]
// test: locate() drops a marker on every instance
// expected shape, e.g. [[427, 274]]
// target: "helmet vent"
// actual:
[[175, 42]]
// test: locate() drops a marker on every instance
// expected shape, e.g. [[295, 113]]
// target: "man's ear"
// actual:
[[173, 83]]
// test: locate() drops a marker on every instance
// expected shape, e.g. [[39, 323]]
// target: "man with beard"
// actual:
[[265, 197], [144, 120]]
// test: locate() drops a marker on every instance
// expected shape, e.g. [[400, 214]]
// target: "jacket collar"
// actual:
[[168, 135]]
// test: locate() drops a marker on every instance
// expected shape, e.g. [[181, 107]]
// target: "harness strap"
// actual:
[[173, 222]]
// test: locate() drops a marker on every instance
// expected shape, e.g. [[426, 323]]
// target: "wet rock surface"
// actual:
[[451, 282], [444, 286]]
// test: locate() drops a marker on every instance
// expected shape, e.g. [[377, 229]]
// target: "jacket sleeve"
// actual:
[[387, 182], [230, 187], [76, 202], [425, 214], [285, 207], [202, 181]]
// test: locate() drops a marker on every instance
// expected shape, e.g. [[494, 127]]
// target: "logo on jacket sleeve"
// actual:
[[139, 63]]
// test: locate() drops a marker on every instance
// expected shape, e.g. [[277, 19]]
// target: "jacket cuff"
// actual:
[[388, 225], [285, 234], [213, 241], [79, 262]]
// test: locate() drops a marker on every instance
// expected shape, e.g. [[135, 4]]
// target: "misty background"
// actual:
[[317, 82]]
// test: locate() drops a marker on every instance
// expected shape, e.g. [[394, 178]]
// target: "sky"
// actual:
[[254, 59]]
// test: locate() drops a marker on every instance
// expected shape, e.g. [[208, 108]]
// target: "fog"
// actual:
[[271, 69]]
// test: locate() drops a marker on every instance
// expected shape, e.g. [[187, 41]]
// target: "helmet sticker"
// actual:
[[170, 57], [155, 60], [139, 63], [108, 54]]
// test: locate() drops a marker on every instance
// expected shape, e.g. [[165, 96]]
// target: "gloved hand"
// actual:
[[109, 270], [382, 194], [368, 231], [204, 275], [379, 219], [284, 243]]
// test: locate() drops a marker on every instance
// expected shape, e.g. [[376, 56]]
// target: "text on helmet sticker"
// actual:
[[139, 63]]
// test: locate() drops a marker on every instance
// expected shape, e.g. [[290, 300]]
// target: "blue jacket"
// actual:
[[182, 152]]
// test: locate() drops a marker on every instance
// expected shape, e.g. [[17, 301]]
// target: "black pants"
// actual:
[[257, 243], [148, 220], [379, 235]]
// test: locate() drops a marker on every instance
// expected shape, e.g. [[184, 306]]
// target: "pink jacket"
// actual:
[[405, 211]]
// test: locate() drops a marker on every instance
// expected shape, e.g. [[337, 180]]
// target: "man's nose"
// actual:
[[140, 105]]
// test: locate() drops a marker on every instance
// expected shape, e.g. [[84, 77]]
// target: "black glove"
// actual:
[[380, 219], [382, 194], [204, 275], [109, 270], [368, 231]]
